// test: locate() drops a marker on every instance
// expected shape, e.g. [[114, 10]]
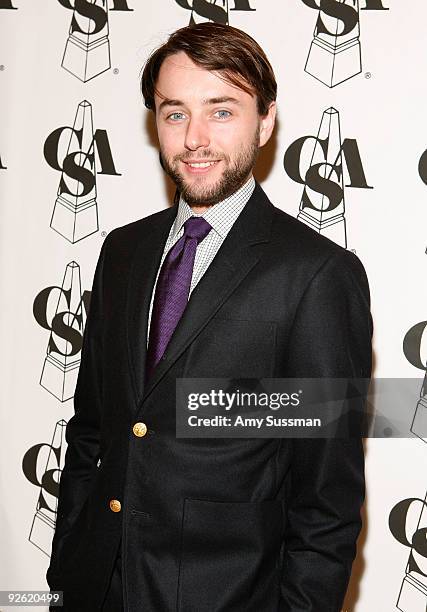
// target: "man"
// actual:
[[222, 284]]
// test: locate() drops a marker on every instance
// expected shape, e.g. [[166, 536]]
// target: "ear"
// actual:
[[267, 124]]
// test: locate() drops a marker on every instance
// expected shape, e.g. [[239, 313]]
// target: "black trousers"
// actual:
[[113, 601]]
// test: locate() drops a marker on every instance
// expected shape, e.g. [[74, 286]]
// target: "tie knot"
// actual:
[[196, 227]]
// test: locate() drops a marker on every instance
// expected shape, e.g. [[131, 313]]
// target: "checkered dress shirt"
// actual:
[[221, 217]]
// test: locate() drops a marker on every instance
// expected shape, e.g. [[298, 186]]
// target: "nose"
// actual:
[[197, 134]]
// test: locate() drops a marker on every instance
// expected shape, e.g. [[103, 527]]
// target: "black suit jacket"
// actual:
[[214, 525]]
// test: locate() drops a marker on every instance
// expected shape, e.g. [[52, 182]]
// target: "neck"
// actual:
[[199, 208]]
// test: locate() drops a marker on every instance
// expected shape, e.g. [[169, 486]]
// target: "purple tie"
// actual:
[[172, 289]]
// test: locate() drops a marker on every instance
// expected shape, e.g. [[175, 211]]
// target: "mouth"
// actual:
[[200, 167]]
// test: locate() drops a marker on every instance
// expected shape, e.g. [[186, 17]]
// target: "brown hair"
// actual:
[[217, 47]]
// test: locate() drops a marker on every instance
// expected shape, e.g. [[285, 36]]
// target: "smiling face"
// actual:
[[209, 131]]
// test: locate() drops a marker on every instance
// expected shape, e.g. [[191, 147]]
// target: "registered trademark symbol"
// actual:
[[300, 391], [103, 234], [116, 71], [2, 66], [368, 75]]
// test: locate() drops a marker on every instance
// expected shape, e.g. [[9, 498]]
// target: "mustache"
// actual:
[[206, 156], [194, 156]]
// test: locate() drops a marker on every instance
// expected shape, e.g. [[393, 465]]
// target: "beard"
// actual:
[[233, 177]]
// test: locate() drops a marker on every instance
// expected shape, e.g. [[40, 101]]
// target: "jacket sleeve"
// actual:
[[83, 429], [331, 337]]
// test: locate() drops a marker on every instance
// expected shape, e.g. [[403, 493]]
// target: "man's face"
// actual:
[[209, 131]]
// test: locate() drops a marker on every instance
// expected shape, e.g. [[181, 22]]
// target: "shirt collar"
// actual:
[[220, 216]]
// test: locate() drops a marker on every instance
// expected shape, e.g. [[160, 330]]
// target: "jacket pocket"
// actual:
[[70, 544], [230, 556]]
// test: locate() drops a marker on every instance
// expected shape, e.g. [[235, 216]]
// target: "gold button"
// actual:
[[139, 429], [115, 505]]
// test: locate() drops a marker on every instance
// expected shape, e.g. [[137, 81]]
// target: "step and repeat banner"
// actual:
[[78, 157]]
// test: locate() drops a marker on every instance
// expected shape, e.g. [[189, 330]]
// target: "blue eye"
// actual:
[[222, 116], [173, 116]]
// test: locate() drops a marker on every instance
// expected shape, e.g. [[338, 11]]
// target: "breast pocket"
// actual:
[[230, 556], [229, 347]]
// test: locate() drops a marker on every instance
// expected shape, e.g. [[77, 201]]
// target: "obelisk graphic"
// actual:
[[334, 54], [413, 592], [75, 214], [322, 204], [87, 51], [61, 365], [44, 519]]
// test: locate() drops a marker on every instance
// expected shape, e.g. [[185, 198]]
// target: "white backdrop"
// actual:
[[50, 220]]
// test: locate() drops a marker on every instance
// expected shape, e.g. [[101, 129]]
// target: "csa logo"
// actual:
[[213, 10], [62, 311], [408, 524], [334, 55], [414, 351], [75, 214], [42, 465], [87, 51], [322, 205]]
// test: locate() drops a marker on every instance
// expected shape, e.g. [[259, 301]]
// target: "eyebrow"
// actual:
[[206, 101]]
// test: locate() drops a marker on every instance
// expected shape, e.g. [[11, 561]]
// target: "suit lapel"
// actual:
[[142, 276], [233, 261]]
